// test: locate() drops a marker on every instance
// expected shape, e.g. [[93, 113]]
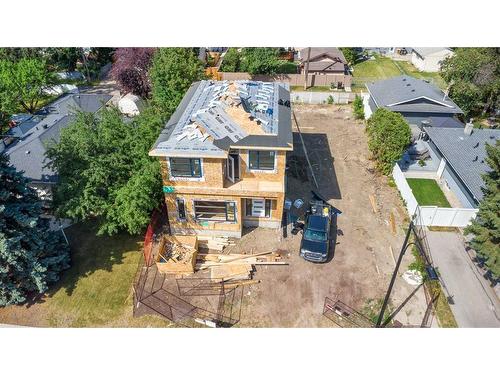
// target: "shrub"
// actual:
[[330, 99], [358, 109], [388, 136]]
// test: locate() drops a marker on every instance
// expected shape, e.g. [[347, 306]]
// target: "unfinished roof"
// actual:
[[466, 154], [408, 94], [214, 116], [27, 153]]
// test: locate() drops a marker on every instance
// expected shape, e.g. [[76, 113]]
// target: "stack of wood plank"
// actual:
[[235, 266], [214, 243]]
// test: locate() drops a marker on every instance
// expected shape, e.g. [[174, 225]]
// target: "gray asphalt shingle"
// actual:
[[408, 94], [465, 153]]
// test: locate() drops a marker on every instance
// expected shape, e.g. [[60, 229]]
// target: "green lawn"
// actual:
[[427, 192], [95, 292], [313, 88], [384, 67]]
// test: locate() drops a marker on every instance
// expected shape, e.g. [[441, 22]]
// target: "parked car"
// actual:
[[315, 243]]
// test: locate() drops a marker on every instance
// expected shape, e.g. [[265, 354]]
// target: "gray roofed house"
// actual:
[[29, 140], [417, 100], [465, 154]]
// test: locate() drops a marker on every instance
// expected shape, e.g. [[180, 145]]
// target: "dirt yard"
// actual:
[[360, 270]]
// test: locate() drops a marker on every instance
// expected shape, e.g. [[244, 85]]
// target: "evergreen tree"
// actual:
[[486, 226], [31, 256]]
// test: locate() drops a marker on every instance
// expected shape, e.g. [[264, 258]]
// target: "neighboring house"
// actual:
[[223, 157], [455, 157], [429, 59], [328, 61], [27, 143], [461, 155], [420, 103]]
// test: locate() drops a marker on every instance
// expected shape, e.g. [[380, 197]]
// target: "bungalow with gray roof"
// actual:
[[27, 143], [420, 102]]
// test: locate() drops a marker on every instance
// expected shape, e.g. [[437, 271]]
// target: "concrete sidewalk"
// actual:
[[475, 303]]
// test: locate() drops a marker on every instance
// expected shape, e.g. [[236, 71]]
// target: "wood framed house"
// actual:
[[223, 157]]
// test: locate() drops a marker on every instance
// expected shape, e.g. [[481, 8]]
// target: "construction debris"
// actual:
[[236, 266], [177, 254], [214, 243]]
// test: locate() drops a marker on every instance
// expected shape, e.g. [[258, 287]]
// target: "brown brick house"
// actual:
[[223, 157]]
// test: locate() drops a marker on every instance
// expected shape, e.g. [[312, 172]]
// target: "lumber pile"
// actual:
[[214, 243], [235, 266], [177, 254]]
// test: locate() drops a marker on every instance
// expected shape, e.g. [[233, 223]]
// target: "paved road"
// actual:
[[476, 304]]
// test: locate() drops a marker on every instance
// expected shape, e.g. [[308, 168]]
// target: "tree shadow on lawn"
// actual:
[[91, 253]]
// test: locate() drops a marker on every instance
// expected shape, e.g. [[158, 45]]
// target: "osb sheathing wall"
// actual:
[[278, 175], [213, 176], [190, 225], [213, 172]]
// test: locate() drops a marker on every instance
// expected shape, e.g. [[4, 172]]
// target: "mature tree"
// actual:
[[8, 99], [130, 70], [486, 226], [64, 58], [358, 108], [31, 256], [473, 75], [172, 72], [105, 171], [231, 61], [260, 60], [16, 54], [350, 55], [25, 80], [388, 136]]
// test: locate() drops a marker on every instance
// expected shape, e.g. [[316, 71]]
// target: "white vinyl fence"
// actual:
[[312, 97], [431, 215]]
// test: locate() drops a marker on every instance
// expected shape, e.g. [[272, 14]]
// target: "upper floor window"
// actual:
[[185, 167], [261, 160]]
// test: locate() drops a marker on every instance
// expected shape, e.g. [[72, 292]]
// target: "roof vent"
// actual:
[[468, 128], [475, 159], [412, 90], [408, 84], [404, 79], [27, 151], [476, 145]]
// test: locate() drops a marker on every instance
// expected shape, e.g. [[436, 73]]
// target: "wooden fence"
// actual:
[[292, 79]]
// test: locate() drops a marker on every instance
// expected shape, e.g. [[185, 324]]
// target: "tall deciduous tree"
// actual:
[[105, 171], [388, 136], [130, 70], [31, 256], [24, 81], [486, 226], [350, 55], [172, 72], [8, 97], [474, 78]]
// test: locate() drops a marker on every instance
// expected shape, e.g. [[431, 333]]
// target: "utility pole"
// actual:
[[307, 67], [394, 274]]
